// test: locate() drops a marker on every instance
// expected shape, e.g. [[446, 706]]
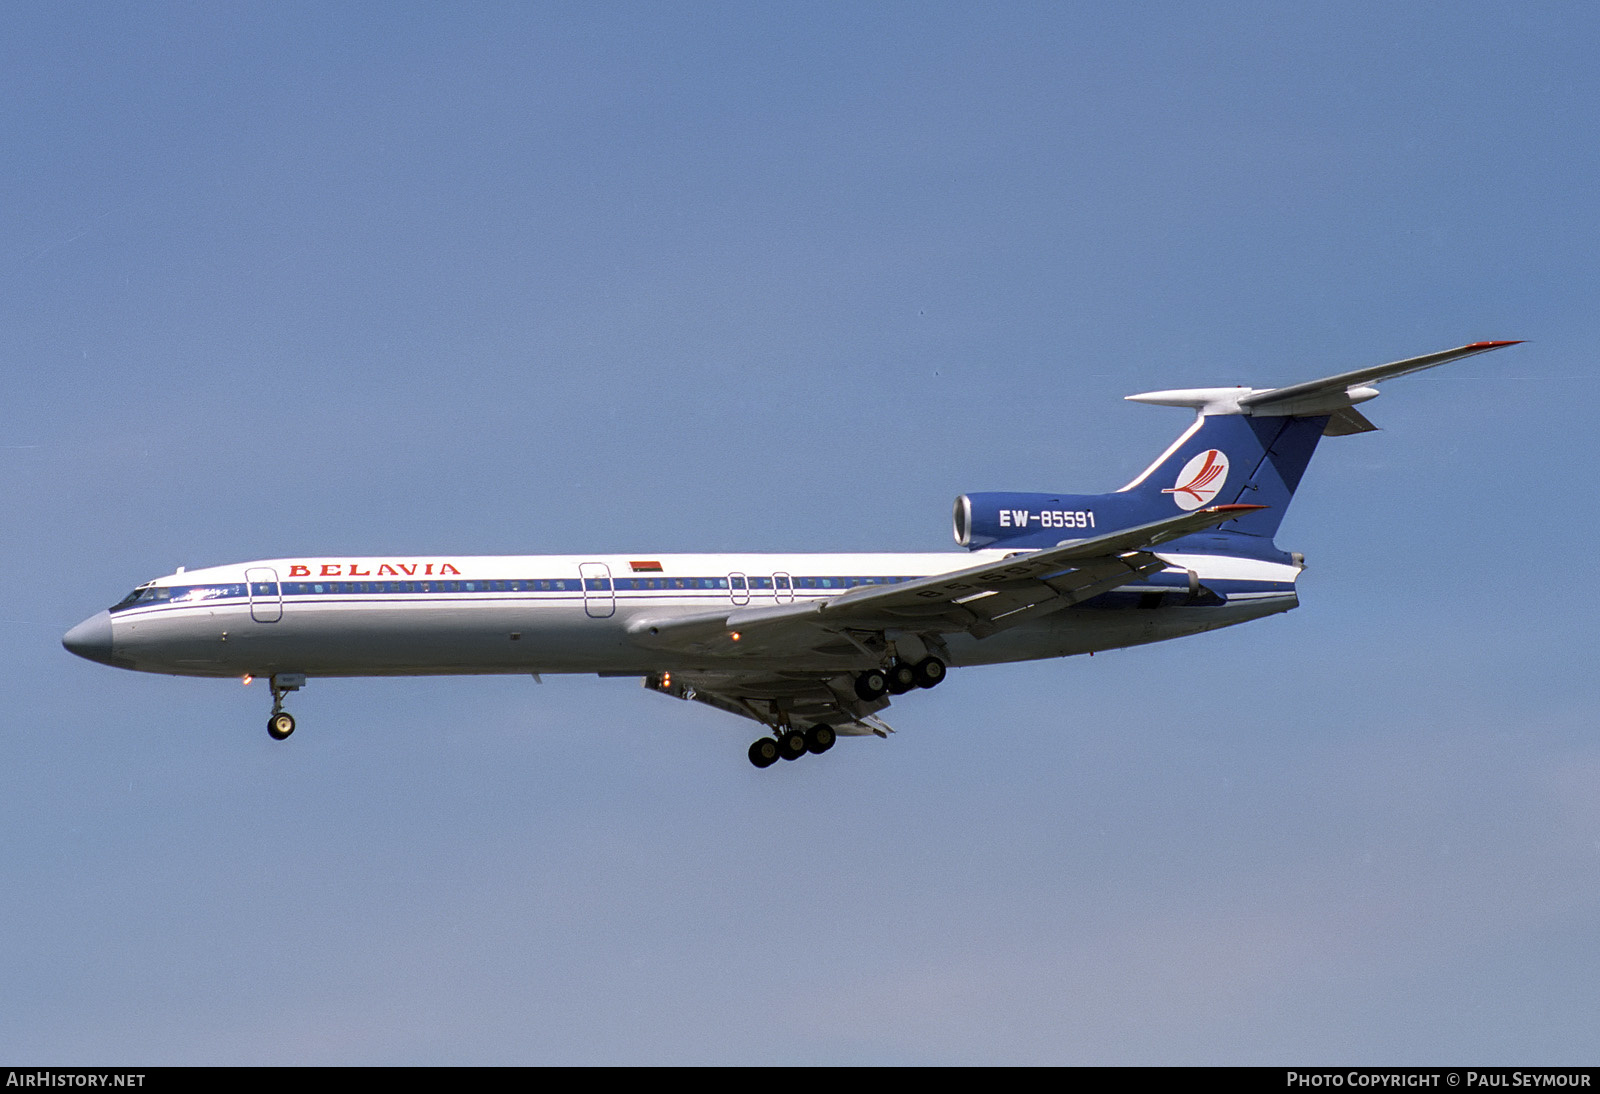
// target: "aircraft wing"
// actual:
[[980, 600]]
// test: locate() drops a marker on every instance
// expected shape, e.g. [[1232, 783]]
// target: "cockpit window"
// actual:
[[130, 600], [177, 594]]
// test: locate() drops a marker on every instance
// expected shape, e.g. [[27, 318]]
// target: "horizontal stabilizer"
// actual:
[[1314, 398], [1334, 388]]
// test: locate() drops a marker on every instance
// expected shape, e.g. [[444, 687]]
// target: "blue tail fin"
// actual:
[[1226, 459]]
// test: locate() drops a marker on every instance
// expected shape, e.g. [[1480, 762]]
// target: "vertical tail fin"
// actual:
[[1227, 459]]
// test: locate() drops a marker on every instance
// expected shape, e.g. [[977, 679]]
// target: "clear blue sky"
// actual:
[[287, 279]]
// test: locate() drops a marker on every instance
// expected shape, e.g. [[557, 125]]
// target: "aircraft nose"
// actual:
[[91, 638]]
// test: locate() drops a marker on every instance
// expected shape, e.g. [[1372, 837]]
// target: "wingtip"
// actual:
[[1495, 345], [1236, 508]]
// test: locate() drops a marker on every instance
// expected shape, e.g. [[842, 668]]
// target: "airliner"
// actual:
[[811, 646]]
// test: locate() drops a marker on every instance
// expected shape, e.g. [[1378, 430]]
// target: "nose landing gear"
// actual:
[[281, 723]]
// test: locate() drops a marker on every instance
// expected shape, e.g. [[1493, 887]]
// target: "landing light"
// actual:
[[247, 679], [734, 635]]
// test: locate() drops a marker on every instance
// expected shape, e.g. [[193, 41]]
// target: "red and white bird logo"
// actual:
[[1200, 480]]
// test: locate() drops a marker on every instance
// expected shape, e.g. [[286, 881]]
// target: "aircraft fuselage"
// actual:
[[448, 615]]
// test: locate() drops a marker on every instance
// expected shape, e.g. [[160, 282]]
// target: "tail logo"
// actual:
[[1200, 480]]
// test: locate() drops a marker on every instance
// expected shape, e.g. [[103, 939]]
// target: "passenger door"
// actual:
[[266, 595], [599, 598]]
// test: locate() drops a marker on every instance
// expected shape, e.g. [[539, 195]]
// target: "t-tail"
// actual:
[[1247, 446]]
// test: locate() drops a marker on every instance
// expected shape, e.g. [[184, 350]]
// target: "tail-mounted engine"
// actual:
[[1036, 520]]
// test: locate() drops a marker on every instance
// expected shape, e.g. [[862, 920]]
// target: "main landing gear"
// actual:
[[280, 723], [791, 744], [899, 678]]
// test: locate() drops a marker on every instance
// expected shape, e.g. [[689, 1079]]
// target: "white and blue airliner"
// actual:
[[810, 646]]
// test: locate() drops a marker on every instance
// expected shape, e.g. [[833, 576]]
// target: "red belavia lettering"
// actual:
[[811, 646], [393, 568]]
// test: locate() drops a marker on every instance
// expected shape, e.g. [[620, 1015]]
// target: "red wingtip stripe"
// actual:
[[1236, 508], [1495, 345]]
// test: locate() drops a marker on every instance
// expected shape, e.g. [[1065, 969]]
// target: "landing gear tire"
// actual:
[[871, 685], [764, 753], [819, 739], [792, 745], [902, 678], [280, 725], [930, 672]]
